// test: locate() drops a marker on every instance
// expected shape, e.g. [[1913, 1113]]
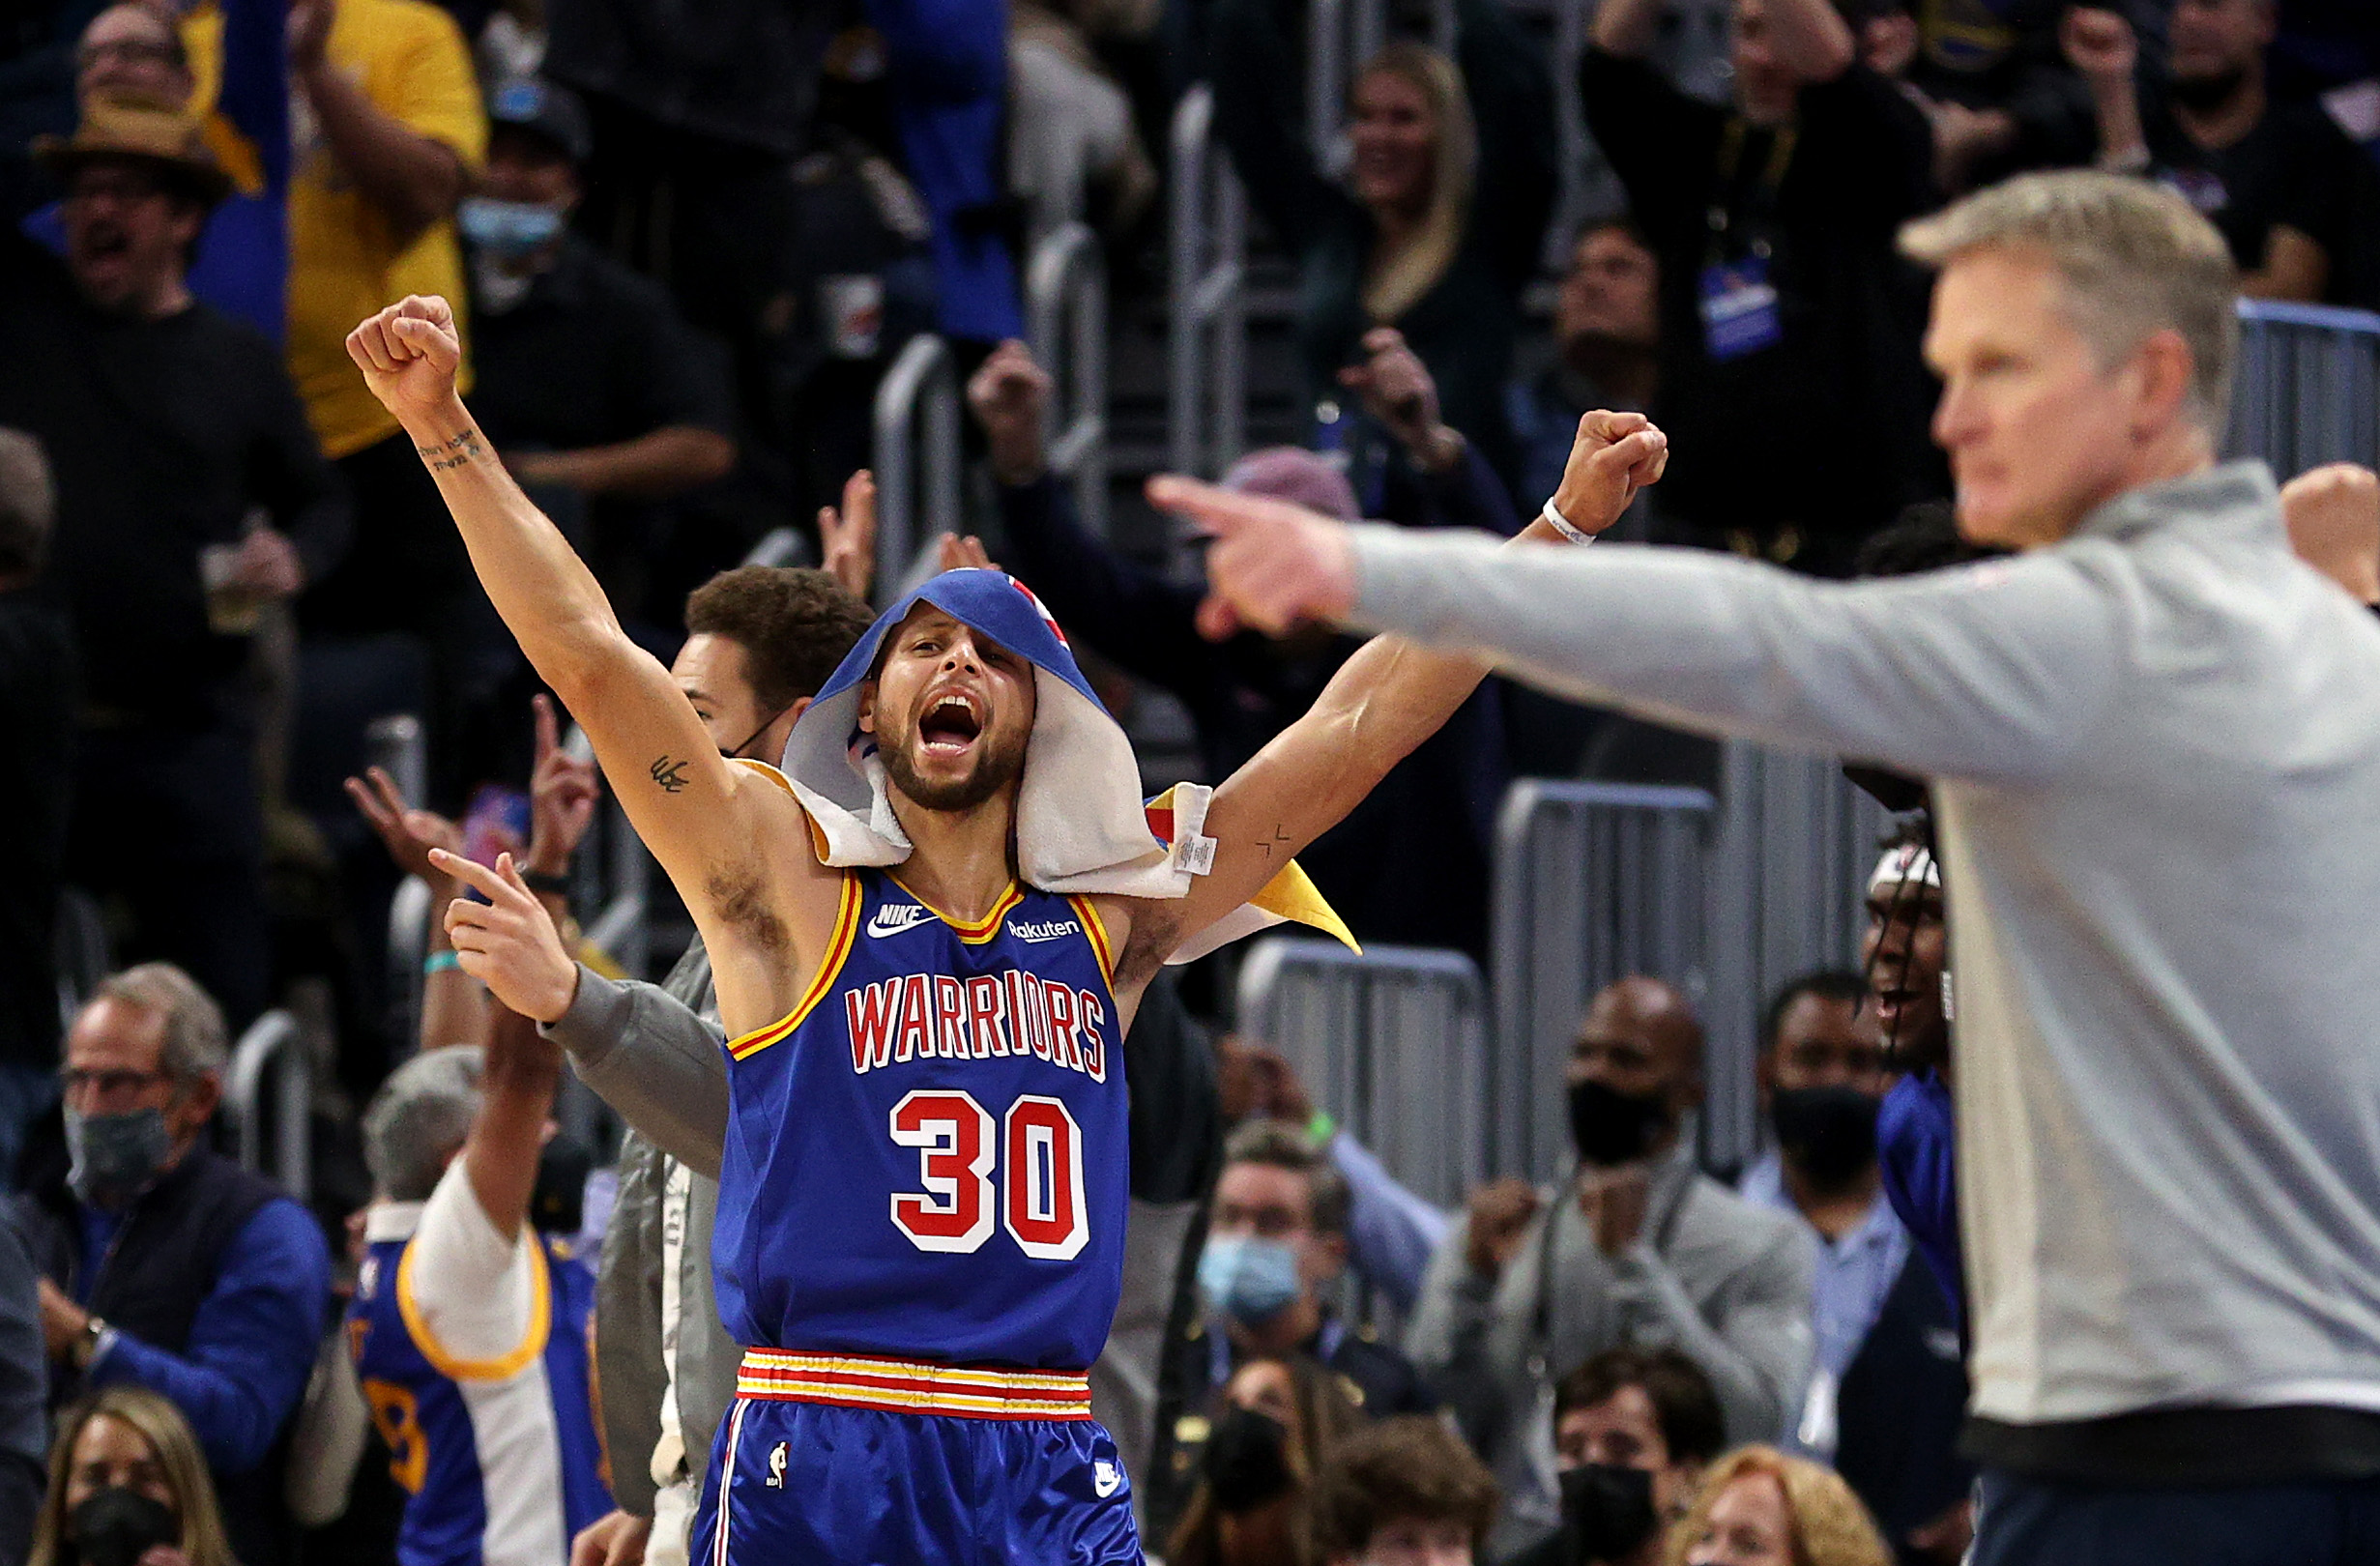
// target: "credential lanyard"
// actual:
[[1719, 217]]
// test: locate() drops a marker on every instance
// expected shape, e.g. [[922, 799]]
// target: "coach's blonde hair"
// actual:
[[1396, 280], [2135, 257], [1827, 1524], [203, 1541]]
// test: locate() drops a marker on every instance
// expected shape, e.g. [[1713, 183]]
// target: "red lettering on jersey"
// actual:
[[1029, 1010], [1093, 1056], [1060, 999], [871, 1011], [949, 1017], [986, 1009], [917, 1038]]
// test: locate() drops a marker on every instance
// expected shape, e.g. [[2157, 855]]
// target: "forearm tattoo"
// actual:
[[460, 451], [670, 774]]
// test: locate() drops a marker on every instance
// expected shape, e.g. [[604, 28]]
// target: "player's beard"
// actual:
[[999, 763]]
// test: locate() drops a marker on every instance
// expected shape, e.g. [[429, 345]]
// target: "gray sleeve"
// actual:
[[1447, 1340], [1996, 671], [1756, 1354], [653, 1059]]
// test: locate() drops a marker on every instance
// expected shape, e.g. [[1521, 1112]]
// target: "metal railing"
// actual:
[[1787, 894], [1067, 317], [1393, 1043], [2307, 390], [1727, 898], [1207, 349], [916, 459], [1593, 881], [274, 1042]]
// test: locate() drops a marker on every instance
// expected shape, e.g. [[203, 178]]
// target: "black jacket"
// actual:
[[1899, 1410], [150, 1285]]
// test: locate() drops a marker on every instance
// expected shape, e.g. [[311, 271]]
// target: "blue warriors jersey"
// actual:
[[498, 1459], [927, 1158]]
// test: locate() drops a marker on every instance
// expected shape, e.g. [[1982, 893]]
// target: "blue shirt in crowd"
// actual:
[[1917, 1147], [1854, 1275], [252, 1344]]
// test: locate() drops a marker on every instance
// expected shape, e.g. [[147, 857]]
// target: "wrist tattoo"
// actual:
[[461, 450], [670, 774]]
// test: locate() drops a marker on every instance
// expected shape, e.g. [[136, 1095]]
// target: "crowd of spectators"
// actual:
[[686, 242]]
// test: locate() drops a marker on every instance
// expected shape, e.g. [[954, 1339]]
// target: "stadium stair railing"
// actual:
[[1066, 322]]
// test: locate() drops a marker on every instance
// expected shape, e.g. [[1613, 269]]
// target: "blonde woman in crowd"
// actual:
[[1758, 1507], [127, 1487]]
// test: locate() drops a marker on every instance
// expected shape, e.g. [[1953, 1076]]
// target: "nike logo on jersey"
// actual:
[[1037, 931], [943, 1017], [894, 917], [1105, 1479]]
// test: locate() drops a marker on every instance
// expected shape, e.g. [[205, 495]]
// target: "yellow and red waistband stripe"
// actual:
[[903, 1386], [839, 948]]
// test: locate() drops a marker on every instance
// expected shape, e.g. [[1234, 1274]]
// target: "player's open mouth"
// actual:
[[949, 726]]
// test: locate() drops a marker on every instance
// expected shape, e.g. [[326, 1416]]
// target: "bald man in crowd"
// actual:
[[1632, 1247]]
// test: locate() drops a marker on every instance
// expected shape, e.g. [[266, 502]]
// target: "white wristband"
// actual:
[[1562, 525]]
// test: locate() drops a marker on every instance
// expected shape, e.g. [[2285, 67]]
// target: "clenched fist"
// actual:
[[410, 354]]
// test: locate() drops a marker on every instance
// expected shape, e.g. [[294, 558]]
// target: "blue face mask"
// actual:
[[1248, 1280], [508, 227]]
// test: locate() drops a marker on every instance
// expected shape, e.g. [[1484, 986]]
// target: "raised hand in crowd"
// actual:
[[1396, 389], [508, 943], [409, 834], [563, 790], [1614, 1202], [847, 535], [2333, 517], [1274, 565], [2100, 45], [1010, 395], [1255, 1083], [1500, 1212], [961, 552], [266, 565]]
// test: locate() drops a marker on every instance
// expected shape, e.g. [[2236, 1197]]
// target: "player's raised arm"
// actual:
[[699, 815], [1382, 703]]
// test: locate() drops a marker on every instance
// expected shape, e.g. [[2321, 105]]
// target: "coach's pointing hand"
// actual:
[[1272, 565], [409, 354]]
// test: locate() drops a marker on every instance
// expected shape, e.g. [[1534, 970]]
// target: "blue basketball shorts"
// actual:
[[842, 1461]]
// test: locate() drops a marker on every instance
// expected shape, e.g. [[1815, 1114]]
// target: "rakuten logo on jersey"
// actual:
[[940, 1017], [1037, 931]]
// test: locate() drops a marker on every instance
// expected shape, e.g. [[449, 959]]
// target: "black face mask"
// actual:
[[117, 1527], [557, 1201], [1828, 1133], [1607, 1511], [1610, 1127], [1247, 1461]]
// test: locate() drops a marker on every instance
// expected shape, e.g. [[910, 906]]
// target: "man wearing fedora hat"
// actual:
[[191, 491]]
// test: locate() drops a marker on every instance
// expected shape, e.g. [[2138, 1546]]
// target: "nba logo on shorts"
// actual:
[[776, 1466]]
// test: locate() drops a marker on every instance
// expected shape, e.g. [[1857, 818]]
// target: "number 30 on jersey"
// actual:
[[1037, 1152]]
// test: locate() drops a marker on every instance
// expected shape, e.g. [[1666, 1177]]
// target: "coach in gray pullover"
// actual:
[[2155, 744]]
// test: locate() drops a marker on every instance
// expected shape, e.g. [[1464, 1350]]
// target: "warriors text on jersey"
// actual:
[[498, 1456], [926, 1157]]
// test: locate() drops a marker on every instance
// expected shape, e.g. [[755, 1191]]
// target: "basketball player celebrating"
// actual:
[[928, 933]]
